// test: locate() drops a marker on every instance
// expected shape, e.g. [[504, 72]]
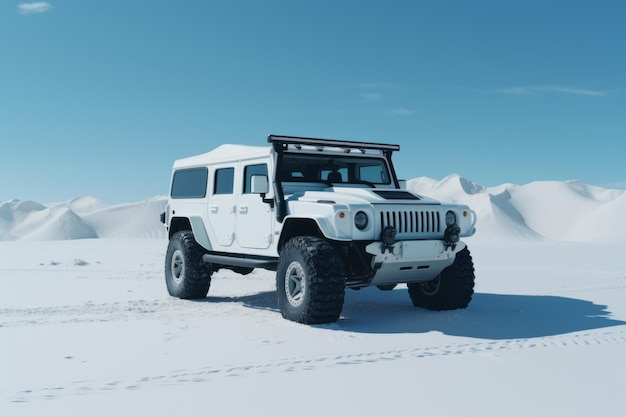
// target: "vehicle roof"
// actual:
[[224, 153]]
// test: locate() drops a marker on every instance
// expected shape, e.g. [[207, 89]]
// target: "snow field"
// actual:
[[87, 328]]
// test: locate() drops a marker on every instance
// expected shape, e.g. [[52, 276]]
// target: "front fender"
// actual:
[[333, 228]]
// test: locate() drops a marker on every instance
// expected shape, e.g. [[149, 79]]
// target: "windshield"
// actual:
[[334, 169]]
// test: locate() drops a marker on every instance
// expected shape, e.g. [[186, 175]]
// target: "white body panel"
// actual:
[[254, 222]]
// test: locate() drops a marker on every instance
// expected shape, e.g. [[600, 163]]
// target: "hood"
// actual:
[[349, 195]]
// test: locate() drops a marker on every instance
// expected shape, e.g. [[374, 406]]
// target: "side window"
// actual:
[[249, 171], [224, 180], [189, 183]]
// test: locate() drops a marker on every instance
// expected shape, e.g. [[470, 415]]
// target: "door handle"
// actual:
[[243, 209]]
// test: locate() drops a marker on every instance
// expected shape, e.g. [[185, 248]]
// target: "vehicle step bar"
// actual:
[[265, 263]]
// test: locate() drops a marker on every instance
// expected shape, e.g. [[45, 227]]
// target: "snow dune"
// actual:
[[568, 211], [81, 218]]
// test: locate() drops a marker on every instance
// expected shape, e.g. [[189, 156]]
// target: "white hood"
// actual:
[[354, 195]]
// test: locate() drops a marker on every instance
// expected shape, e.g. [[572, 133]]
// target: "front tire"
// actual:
[[310, 281], [451, 289], [186, 274]]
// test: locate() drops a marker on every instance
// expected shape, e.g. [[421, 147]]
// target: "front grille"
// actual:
[[412, 221]]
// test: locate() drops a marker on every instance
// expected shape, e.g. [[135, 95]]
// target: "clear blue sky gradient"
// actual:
[[99, 97]]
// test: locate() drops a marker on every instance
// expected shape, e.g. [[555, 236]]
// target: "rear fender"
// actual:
[[196, 224]]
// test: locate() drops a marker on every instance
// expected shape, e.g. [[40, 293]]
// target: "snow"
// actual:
[[87, 327], [544, 210], [81, 218]]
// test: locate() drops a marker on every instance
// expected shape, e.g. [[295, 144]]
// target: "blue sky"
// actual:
[[99, 97]]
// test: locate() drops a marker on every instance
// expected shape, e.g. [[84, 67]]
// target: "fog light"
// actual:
[[451, 236]]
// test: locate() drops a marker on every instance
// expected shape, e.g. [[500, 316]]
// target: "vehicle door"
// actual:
[[222, 204], [254, 217]]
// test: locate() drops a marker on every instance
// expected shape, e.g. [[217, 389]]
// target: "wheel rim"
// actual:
[[295, 287], [431, 287], [178, 266]]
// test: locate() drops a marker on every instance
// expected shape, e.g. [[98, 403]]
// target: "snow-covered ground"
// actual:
[[87, 327]]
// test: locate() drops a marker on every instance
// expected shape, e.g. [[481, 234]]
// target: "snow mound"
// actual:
[[16, 212], [85, 204], [54, 223], [81, 218], [135, 220], [543, 210]]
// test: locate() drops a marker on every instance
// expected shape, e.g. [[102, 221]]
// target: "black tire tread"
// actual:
[[326, 284], [197, 279], [456, 287]]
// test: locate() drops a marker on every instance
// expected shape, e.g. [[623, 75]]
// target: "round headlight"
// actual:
[[450, 218], [360, 220]]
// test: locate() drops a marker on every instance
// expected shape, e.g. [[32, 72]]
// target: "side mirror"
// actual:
[[402, 184], [259, 184]]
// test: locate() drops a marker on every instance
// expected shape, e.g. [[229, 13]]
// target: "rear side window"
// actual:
[[190, 183], [224, 180]]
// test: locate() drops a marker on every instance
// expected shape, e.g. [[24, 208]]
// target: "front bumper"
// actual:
[[410, 261]]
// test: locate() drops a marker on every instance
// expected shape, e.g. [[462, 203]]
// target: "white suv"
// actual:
[[325, 215]]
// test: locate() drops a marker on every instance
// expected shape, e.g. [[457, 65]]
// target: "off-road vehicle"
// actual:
[[325, 214]]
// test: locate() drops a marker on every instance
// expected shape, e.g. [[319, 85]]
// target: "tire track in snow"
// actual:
[[83, 313], [206, 374], [103, 312]]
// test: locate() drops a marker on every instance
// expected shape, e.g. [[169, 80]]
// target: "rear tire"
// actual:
[[186, 274], [451, 289], [310, 281]]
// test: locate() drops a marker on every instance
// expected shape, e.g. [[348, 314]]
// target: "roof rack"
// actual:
[[279, 140]]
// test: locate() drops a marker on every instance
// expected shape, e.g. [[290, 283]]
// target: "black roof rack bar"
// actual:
[[294, 140]]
